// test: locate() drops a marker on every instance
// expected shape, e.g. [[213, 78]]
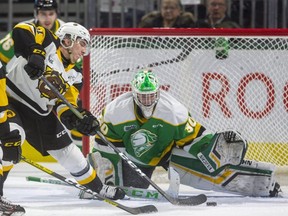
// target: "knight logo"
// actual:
[[142, 141]]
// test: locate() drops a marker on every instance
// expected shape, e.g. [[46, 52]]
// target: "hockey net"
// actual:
[[245, 89]]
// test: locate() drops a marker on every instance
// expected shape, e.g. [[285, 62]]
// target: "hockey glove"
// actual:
[[87, 126], [36, 63], [11, 146]]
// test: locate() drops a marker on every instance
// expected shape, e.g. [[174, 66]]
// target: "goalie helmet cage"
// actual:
[[227, 78]]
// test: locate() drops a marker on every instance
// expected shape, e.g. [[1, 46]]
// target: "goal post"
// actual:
[[227, 78]]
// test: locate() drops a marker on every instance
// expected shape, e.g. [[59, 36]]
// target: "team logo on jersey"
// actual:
[[129, 127], [56, 79], [142, 141]]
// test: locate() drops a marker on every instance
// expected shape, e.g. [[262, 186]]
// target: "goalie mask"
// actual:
[[145, 87], [76, 33]]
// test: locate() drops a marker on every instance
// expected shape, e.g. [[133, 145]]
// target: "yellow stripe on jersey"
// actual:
[[70, 66], [192, 136], [38, 32], [3, 98], [7, 168], [156, 160], [27, 26], [4, 58], [40, 35], [72, 95]]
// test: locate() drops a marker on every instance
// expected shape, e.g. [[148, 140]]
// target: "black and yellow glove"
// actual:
[[36, 63], [11, 145]]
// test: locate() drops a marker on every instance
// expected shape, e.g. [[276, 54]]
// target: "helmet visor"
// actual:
[[147, 99]]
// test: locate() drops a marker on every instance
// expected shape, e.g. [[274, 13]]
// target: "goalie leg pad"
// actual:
[[249, 179], [226, 148]]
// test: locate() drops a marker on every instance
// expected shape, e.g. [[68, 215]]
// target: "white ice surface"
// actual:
[[43, 199]]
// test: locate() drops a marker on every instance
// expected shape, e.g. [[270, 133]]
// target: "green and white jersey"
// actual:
[[147, 141]]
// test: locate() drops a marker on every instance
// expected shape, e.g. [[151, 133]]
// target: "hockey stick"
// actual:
[[141, 193], [130, 191], [131, 210], [46, 180], [191, 201]]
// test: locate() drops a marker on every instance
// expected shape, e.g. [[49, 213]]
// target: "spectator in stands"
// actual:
[[217, 16], [170, 16]]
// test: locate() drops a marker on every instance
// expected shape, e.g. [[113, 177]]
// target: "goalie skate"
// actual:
[[9, 209]]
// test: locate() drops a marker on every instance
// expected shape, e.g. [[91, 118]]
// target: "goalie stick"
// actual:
[[133, 192], [131, 210], [190, 201]]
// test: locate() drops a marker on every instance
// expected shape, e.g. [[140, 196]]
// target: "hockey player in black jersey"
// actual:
[[43, 117], [10, 140]]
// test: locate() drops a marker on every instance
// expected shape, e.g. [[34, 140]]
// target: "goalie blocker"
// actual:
[[212, 162]]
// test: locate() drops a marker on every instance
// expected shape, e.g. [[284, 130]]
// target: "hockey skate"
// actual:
[[9, 209], [276, 190], [107, 191], [112, 192]]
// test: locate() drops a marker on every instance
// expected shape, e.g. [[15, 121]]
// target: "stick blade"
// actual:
[[143, 210], [191, 201]]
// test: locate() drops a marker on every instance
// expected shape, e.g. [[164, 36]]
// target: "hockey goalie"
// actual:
[[153, 129]]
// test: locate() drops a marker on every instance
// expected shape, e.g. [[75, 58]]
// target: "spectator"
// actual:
[[170, 16], [217, 16]]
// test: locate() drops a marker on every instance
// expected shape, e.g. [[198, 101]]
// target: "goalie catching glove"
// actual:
[[87, 126]]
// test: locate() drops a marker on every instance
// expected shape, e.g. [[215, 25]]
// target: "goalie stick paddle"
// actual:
[[131, 210], [190, 201]]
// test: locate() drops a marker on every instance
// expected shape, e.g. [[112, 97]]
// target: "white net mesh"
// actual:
[[237, 82]]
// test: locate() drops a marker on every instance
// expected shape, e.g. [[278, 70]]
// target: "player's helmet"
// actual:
[[145, 88], [73, 31], [45, 5]]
